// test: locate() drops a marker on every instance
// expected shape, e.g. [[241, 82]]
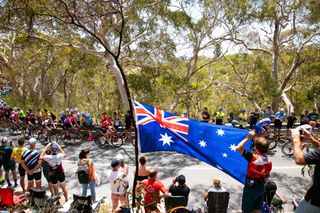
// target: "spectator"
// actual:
[[124, 167], [205, 115], [119, 184], [231, 116], [32, 165], [46, 171], [243, 118], [268, 112], [215, 188], [8, 163], [279, 118], [128, 122], [313, 116], [290, 124], [254, 117], [56, 171], [219, 116], [181, 189], [143, 172], [116, 120], [259, 166], [304, 119], [84, 160], [311, 201], [184, 114], [270, 188], [152, 188], [16, 155]]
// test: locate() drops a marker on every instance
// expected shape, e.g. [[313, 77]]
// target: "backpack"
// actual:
[[83, 173]]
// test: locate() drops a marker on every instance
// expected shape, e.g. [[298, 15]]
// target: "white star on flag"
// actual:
[[233, 147], [225, 155], [220, 132], [202, 143], [166, 139]]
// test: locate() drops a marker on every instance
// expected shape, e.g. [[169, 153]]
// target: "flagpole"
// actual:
[[125, 83]]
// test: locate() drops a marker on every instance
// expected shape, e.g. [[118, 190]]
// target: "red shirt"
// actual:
[[152, 189], [259, 165], [103, 118]]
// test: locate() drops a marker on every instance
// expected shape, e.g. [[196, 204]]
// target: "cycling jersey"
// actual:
[[261, 124], [259, 165], [14, 116], [30, 158], [54, 161], [17, 152], [47, 122], [21, 114]]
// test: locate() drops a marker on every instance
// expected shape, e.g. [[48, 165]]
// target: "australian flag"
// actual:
[[214, 144]]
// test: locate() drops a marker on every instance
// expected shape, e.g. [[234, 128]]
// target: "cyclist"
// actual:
[[8, 163], [32, 165], [263, 126], [107, 128], [56, 171], [47, 124], [16, 155], [22, 115], [39, 116], [103, 117], [30, 117]]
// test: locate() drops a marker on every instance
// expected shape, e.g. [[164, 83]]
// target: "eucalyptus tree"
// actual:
[[275, 28]]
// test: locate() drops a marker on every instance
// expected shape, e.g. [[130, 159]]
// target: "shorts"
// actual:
[[277, 124], [9, 165], [128, 125], [45, 170], [35, 176], [21, 170], [252, 197], [57, 176], [290, 125]]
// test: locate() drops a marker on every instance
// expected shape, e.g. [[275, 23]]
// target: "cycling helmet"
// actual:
[[76, 109], [67, 109], [4, 140], [272, 117]]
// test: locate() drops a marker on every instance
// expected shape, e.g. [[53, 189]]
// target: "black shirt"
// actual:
[[313, 193], [205, 116], [180, 191], [254, 117]]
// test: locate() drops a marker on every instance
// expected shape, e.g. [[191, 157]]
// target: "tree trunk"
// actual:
[[288, 103]]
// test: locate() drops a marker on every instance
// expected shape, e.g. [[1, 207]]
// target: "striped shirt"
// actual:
[[30, 158]]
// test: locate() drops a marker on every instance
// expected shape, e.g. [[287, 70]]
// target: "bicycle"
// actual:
[[72, 136], [287, 148], [116, 138], [48, 136]]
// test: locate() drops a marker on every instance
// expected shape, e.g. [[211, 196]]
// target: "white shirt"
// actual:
[[54, 160], [118, 181]]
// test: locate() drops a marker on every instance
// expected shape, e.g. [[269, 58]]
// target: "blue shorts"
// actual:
[[252, 197]]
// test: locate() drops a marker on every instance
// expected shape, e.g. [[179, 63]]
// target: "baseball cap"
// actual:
[[4, 140], [32, 141], [115, 163]]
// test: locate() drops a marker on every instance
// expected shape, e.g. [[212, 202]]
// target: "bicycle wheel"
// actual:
[[75, 138], [116, 141], [99, 140], [273, 144], [43, 138], [287, 148]]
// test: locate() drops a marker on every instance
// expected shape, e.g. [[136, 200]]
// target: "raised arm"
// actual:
[[240, 147], [297, 152]]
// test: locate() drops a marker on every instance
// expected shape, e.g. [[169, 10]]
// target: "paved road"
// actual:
[[198, 174]]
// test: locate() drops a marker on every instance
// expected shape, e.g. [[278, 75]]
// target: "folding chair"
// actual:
[[174, 201], [37, 197], [83, 204], [217, 202], [8, 198]]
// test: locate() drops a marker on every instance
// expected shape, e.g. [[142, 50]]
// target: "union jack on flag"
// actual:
[[164, 119], [213, 144]]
